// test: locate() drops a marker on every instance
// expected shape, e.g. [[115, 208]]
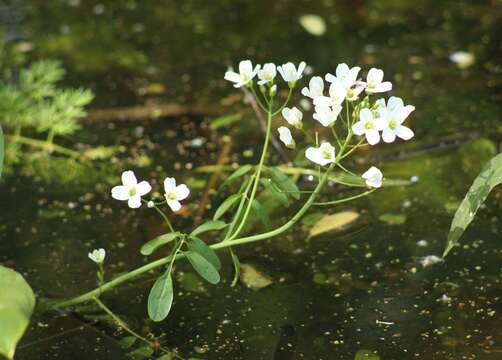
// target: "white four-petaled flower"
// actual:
[[391, 119], [290, 73], [375, 83], [373, 177], [293, 116], [368, 126], [97, 255], [347, 78], [327, 115], [323, 155], [337, 94], [244, 76], [267, 74], [315, 88], [174, 194], [130, 190], [286, 137]]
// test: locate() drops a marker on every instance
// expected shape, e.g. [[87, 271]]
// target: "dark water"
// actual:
[[332, 295]]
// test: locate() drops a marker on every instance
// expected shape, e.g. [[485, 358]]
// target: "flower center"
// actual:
[[392, 124], [132, 191], [368, 125], [171, 196], [326, 154]]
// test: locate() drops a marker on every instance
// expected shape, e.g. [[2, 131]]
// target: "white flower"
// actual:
[[367, 126], [391, 119], [347, 78], [373, 177], [337, 94], [322, 155], [267, 73], [463, 59], [430, 260], [97, 255], [293, 116], [289, 72], [286, 137], [130, 190], [315, 88], [327, 115], [174, 194], [245, 75], [375, 83]]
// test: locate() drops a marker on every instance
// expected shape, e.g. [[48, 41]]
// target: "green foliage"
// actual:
[[152, 245], [241, 171], [490, 176], [226, 205], [203, 267], [283, 182], [16, 305], [200, 247], [161, 297], [209, 226]]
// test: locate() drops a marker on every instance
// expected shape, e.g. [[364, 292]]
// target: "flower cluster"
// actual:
[[132, 191], [374, 119]]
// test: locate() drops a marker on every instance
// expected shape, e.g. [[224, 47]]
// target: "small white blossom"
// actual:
[[245, 75], [375, 83], [337, 94], [174, 194], [267, 73], [290, 73], [293, 116], [367, 126], [347, 78], [463, 59], [373, 177], [97, 255], [323, 155], [315, 88], [327, 115], [272, 91], [130, 190], [286, 137], [391, 119], [430, 260]]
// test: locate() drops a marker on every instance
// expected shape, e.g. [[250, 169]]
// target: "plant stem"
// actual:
[[43, 145], [334, 202], [164, 216]]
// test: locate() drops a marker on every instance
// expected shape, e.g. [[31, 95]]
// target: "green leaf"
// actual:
[[226, 205], [2, 150], [152, 245], [366, 355], [143, 352], [284, 182], [224, 120], [209, 226], [243, 170], [275, 192], [127, 342], [332, 222], [200, 247], [203, 267], [261, 212], [237, 267], [16, 306], [490, 176], [161, 297]]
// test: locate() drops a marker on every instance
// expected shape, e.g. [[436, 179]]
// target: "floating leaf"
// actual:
[[333, 222], [490, 176], [313, 24], [241, 171], [253, 278], [366, 355], [226, 205], [2, 150], [283, 182], [200, 247], [152, 245], [209, 226], [16, 305], [161, 297], [203, 267], [261, 212], [393, 219]]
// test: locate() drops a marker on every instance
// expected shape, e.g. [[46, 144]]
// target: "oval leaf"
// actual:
[[203, 267], [161, 297], [226, 205], [284, 182], [209, 226], [16, 305], [243, 170], [490, 176], [200, 247], [152, 245], [333, 222], [261, 212]]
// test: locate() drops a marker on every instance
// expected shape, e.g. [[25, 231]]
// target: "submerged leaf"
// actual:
[[490, 176], [393, 219], [152, 245], [161, 297], [366, 355], [16, 305], [313, 24], [261, 212], [333, 222], [253, 278]]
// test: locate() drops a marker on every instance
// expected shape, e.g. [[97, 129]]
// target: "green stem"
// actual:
[[164, 216], [50, 136], [285, 103], [334, 202], [43, 145]]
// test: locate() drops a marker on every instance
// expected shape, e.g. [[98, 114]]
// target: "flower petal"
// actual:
[[313, 154], [175, 205], [169, 184], [404, 133], [143, 188], [120, 193], [372, 136], [181, 192], [388, 135], [134, 202], [358, 128], [129, 179]]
